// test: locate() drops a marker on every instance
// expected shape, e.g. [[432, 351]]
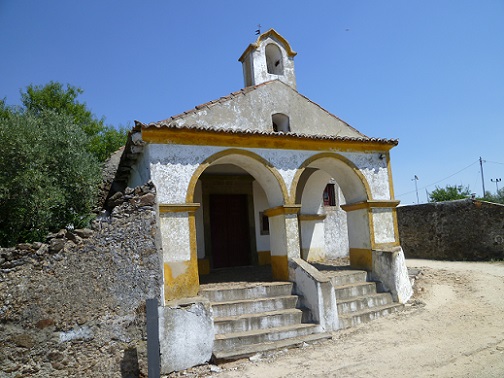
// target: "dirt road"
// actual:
[[453, 328]]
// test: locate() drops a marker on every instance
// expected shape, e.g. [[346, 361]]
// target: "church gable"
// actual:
[[269, 107]]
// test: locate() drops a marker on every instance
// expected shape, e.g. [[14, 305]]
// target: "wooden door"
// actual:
[[229, 230]]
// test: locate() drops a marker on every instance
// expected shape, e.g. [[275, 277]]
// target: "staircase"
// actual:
[[357, 300], [251, 318]]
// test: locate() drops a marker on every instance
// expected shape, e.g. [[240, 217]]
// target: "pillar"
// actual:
[[284, 239], [312, 237], [180, 259], [372, 225]]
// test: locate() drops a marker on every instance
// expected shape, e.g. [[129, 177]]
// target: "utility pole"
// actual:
[[497, 180], [482, 177], [416, 188]]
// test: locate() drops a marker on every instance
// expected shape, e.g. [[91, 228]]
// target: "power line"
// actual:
[[437, 182], [494, 162]]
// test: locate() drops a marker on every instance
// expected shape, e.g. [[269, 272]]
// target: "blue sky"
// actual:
[[430, 73]]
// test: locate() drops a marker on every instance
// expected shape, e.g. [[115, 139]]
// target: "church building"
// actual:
[[266, 176]]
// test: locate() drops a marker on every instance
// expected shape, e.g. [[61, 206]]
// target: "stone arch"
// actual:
[[266, 175], [352, 182], [307, 189]]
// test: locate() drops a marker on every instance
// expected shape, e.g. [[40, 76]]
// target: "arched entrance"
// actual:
[[234, 188], [314, 175]]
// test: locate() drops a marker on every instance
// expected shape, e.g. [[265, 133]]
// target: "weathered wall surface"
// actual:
[[453, 230], [75, 307]]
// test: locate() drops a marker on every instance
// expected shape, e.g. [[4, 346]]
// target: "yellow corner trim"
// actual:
[[312, 217], [361, 258], [203, 266], [280, 268], [287, 209], [370, 204], [178, 207], [264, 257]]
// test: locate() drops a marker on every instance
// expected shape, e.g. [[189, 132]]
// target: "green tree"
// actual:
[[496, 198], [103, 139], [449, 193], [48, 178]]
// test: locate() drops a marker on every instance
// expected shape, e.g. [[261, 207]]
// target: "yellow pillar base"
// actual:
[[361, 259], [181, 280], [264, 257], [203, 266], [280, 268]]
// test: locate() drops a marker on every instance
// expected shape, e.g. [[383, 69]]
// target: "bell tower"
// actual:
[[269, 58]]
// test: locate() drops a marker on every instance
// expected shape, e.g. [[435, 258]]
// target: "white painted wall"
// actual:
[[383, 222], [260, 204], [358, 221], [312, 240]]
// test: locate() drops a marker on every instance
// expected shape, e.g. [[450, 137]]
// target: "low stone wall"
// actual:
[[469, 230], [75, 306]]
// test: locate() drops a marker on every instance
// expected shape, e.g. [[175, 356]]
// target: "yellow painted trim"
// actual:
[[203, 266], [370, 204], [361, 258], [371, 227], [263, 36], [282, 210], [324, 155], [178, 207], [167, 135], [385, 246], [183, 284], [210, 160], [280, 268], [389, 170], [312, 217], [396, 227], [264, 257]]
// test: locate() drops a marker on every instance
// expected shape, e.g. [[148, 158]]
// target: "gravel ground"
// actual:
[[452, 327]]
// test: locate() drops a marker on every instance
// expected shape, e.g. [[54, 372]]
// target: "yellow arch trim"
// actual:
[[270, 33], [323, 155], [210, 160]]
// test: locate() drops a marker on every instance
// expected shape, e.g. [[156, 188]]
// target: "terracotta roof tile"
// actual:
[[173, 125]]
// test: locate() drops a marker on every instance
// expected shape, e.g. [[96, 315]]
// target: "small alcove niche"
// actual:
[[280, 123], [274, 60]]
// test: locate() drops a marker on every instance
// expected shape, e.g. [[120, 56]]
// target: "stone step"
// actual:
[[359, 289], [345, 277], [253, 306], [263, 320], [231, 341], [246, 291], [361, 303], [250, 350], [355, 318]]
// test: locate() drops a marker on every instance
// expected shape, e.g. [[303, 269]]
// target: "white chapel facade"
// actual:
[[264, 176]]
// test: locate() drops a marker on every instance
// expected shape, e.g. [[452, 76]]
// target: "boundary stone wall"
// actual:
[[75, 306], [464, 230]]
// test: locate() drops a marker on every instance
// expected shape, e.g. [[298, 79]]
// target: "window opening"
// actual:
[[329, 195], [280, 123], [264, 223]]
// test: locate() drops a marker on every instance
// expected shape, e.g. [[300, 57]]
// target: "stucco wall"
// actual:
[[253, 111], [260, 204], [452, 230], [172, 167]]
